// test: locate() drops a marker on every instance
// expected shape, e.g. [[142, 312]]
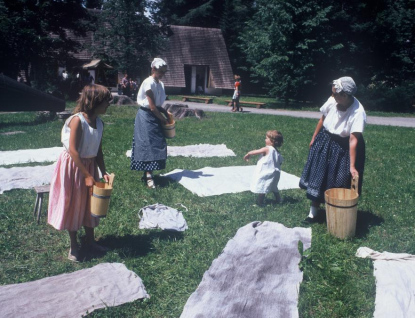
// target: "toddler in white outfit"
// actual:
[[268, 168]]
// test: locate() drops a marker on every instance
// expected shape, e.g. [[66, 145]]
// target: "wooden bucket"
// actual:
[[169, 130], [100, 198], [341, 210]]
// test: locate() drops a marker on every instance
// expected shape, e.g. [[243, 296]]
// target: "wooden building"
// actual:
[[197, 60]]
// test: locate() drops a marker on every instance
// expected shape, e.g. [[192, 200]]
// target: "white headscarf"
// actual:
[[157, 63], [345, 84]]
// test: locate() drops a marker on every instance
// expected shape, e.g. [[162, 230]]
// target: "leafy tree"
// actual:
[[33, 33], [296, 47], [125, 36]]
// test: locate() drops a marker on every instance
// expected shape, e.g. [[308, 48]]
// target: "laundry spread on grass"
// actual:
[[215, 181], [30, 155], [197, 151], [73, 294], [256, 275], [25, 177], [162, 217], [395, 282]]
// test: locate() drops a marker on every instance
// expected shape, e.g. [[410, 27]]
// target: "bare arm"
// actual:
[[263, 151], [354, 137], [317, 130], [101, 163], [74, 141], [153, 108]]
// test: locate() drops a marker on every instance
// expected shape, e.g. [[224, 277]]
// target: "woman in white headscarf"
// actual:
[[149, 150], [337, 148]]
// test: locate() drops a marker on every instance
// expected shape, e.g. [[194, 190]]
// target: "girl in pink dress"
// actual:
[[77, 169]]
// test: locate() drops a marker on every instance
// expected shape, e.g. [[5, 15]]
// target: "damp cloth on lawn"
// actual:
[[395, 282], [215, 181], [30, 155], [72, 294], [256, 275], [25, 177], [162, 217], [197, 151]]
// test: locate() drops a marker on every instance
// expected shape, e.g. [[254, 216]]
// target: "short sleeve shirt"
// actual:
[[343, 123], [158, 91]]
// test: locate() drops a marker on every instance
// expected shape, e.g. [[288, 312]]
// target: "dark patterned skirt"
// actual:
[[328, 165], [149, 149]]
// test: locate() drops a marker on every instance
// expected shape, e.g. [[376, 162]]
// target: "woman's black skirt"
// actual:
[[149, 150], [328, 165]]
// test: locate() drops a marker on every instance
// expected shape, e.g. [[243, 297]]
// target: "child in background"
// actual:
[[268, 169], [236, 94], [76, 170]]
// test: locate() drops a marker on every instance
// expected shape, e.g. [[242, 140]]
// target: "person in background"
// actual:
[[149, 149], [268, 168], [125, 82], [236, 94], [76, 169], [337, 148]]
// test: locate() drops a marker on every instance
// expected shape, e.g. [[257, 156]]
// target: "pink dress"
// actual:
[[69, 206]]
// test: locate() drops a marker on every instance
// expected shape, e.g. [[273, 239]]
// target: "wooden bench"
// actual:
[[257, 104], [40, 191], [207, 100]]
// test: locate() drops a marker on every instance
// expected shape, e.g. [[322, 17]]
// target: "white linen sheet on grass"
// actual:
[[163, 217], [73, 294], [395, 283], [25, 177], [197, 151], [215, 181], [30, 155], [256, 275]]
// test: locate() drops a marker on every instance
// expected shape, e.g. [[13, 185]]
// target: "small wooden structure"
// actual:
[[40, 191], [207, 100], [256, 104]]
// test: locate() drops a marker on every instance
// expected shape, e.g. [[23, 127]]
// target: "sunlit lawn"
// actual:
[[171, 265]]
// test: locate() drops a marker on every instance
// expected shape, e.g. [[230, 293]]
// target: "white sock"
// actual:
[[313, 212]]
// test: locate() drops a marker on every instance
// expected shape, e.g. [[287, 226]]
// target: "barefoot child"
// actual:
[[76, 170], [268, 168]]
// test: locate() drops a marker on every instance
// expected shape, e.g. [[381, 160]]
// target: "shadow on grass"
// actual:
[[138, 245], [365, 220], [163, 182]]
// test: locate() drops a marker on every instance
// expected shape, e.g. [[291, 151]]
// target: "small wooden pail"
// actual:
[[341, 210], [100, 198], [169, 130]]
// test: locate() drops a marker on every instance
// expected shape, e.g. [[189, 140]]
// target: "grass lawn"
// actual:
[[171, 265]]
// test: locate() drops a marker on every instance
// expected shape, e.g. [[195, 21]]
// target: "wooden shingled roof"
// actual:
[[197, 46]]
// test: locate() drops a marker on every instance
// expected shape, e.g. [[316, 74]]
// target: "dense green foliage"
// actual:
[[25, 36], [297, 47], [125, 36], [335, 283]]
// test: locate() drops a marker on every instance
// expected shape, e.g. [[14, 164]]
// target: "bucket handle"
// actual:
[[355, 184], [111, 181]]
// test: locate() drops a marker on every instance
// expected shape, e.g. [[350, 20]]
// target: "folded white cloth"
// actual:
[[215, 181], [25, 177], [30, 155], [395, 283], [73, 294], [256, 275], [163, 217], [197, 151]]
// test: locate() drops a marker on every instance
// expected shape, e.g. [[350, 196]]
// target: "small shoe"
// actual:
[[150, 184], [309, 220], [73, 256], [241, 109]]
